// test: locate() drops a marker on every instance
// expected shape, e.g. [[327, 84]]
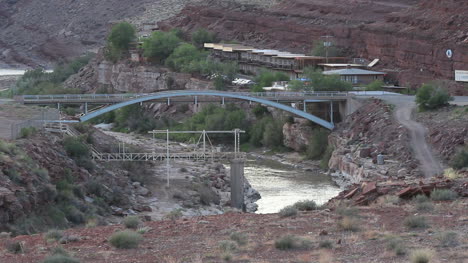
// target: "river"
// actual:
[[281, 185]]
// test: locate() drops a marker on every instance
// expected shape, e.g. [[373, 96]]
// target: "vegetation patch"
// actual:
[[131, 222], [293, 242], [305, 205], [460, 160], [432, 96], [443, 195], [421, 256], [240, 238], [448, 239], [326, 244], [349, 224], [416, 222], [288, 211], [54, 234], [227, 246], [396, 244], [125, 239]]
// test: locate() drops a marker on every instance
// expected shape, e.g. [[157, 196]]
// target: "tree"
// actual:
[[201, 36], [160, 45], [432, 96], [266, 79], [121, 35], [296, 85], [320, 50], [185, 58], [375, 85], [320, 82], [317, 144]]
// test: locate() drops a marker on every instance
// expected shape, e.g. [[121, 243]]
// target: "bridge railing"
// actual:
[[129, 96]]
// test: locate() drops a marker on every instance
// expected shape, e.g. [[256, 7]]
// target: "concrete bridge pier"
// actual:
[[237, 183]]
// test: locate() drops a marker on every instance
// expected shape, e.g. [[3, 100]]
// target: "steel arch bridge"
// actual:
[[233, 95]]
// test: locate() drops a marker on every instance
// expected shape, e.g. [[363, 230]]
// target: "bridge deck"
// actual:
[[196, 156], [116, 98]]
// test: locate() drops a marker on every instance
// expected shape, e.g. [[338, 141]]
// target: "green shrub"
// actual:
[[317, 144], [424, 207], [349, 224], [54, 234], [396, 244], [448, 239], [60, 259], [347, 211], [201, 36], [288, 211], [416, 222], [326, 157], [430, 96], [443, 195], [292, 242], [227, 246], [326, 244], [125, 239], [239, 237], [320, 50], [27, 132], [174, 214], [305, 205], [421, 256], [461, 159], [375, 85], [131, 222], [75, 147], [160, 45], [121, 35]]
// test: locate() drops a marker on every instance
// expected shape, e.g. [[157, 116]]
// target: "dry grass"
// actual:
[[325, 257], [349, 224]]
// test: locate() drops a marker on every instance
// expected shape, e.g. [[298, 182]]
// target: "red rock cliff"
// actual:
[[409, 37]]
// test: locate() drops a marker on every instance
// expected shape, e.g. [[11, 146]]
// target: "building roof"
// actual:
[[352, 71], [338, 65]]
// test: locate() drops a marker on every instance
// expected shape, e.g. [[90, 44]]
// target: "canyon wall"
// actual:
[[409, 37]]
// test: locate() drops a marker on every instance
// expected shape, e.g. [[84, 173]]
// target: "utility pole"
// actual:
[[327, 43]]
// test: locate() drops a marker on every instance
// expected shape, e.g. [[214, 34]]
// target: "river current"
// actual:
[[281, 185]]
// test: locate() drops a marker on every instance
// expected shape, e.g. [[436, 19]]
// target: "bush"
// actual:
[[125, 239], [347, 211], [395, 244], [183, 58], [448, 239], [227, 245], [320, 50], [27, 132], [60, 259], [326, 244], [75, 147], [326, 157], [288, 211], [460, 160], [416, 222], [424, 207], [160, 45], [240, 238], [54, 234], [320, 82], [430, 97], [305, 205], [131, 222], [292, 242], [317, 144], [376, 85], [421, 256], [421, 199], [121, 35], [349, 224], [201, 36], [443, 195]]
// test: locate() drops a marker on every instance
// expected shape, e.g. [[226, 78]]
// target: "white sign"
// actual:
[[461, 75]]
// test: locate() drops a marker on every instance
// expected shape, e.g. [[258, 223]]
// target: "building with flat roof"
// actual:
[[252, 60], [356, 76]]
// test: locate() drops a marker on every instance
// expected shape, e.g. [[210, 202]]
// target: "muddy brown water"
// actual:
[[281, 185]]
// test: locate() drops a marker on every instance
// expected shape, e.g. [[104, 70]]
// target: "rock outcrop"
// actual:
[[365, 134], [296, 135], [409, 37], [105, 77]]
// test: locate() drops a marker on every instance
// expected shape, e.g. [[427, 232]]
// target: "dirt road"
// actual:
[[429, 164]]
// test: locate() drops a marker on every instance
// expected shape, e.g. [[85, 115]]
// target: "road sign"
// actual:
[[461, 75]]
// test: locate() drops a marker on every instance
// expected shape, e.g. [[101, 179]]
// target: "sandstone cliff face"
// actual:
[[409, 37], [102, 76], [296, 135]]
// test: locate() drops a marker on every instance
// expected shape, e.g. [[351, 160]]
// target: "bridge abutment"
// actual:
[[237, 183]]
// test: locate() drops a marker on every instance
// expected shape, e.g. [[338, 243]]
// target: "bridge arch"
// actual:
[[164, 95]]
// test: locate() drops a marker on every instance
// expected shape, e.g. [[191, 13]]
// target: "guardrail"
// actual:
[[197, 156], [129, 96]]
